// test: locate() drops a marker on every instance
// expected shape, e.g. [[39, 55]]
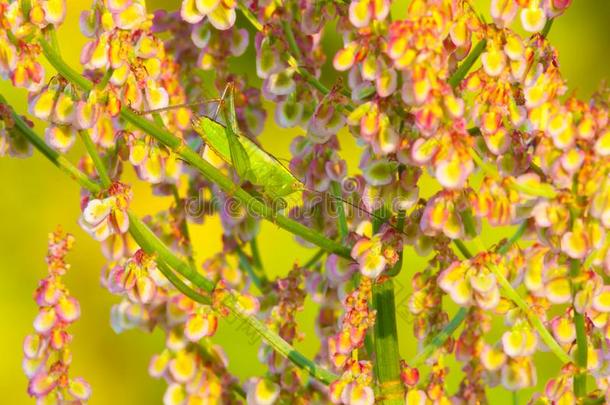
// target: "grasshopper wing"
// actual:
[[264, 170], [225, 143]]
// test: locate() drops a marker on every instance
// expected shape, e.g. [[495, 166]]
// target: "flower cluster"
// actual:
[[472, 282], [47, 354], [12, 141], [377, 253], [104, 218], [447, 148], [354, 386]]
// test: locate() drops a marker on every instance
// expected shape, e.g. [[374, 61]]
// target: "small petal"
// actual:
[[54, 11], [563, 330], [282, 83], [263, 392], [158, 364], [198, 326], [174, 395], [61, 137], [492, 359], [359, 13], [558, 290], [493, 61], [222, 18], [97, 210], [206, 6], [68, 309], [601, 301], [533, 18], [513, 342], [602, 145], [190, 13], [80, 389], [41, 384], [183, 366], [45, 320], [344, 58]]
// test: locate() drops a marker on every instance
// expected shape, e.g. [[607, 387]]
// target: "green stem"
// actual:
[[51, 154], [184, 227], [385, 338], [62, 67], [387, 355], [250, 16], [292, 42], [149, 242], [256, 255], [465, 67], [335, 190], [105, 79], [400, 225], [97, 160], [439, 339], [279, 344], [314, 259], [547, 27], [513, 239], [534, 320], [258, 277], [152, 245], [580, 379], [181, 285], [53, 37], [214, 175], [462, 248]]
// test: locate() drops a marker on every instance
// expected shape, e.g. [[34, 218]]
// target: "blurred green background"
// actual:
[[36, 197]]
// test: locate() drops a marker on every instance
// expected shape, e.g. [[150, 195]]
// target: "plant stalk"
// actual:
[[581, 357], [214, 175], [534, 320], [465, 67], [387, 355], [440, 339], [385, 339], [149, 242], [51, 154], [95, 157], [335, 190]]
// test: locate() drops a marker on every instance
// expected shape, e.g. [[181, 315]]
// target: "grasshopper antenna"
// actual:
[[176, 106], [221, 100]]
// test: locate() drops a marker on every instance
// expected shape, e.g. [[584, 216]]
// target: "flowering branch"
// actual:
[[95, 157], [153, 245], [461, 72], [190, 156], [412, 91], [57, 159], [385, 338]]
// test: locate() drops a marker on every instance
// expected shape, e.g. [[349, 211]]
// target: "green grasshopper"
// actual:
[[250, 161]]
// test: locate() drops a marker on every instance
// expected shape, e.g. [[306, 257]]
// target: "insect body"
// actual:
[[250, 161]]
